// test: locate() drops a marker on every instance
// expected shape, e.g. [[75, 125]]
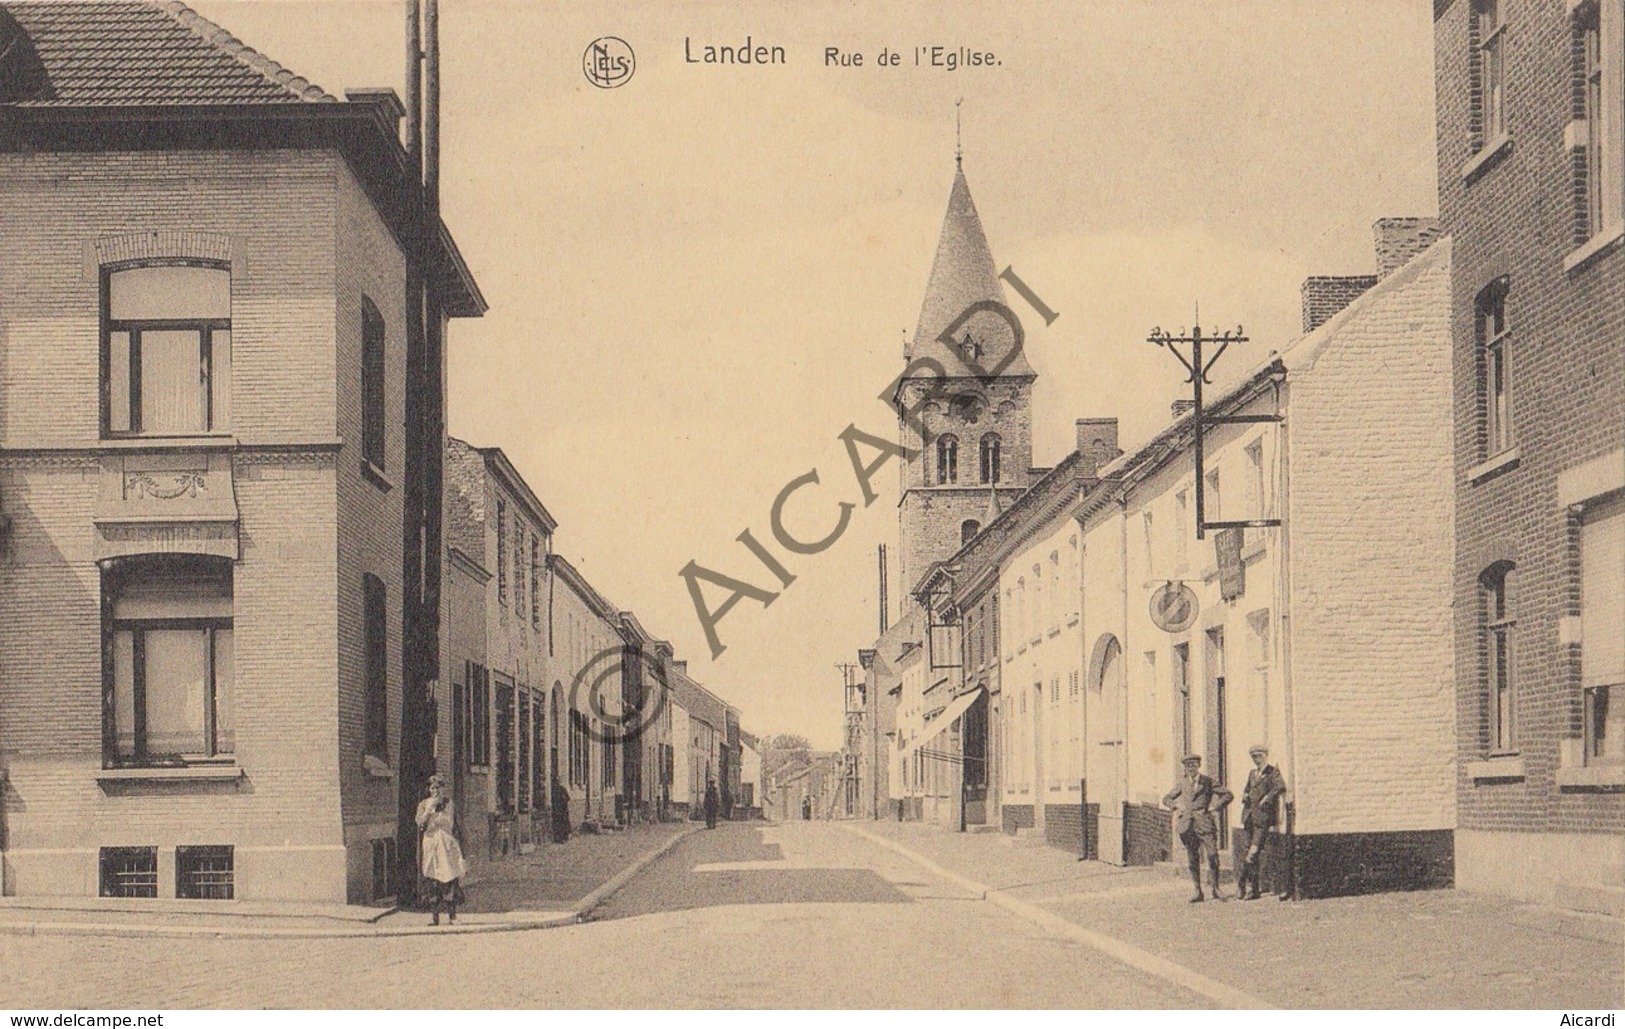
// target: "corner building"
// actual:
[[203, 331]]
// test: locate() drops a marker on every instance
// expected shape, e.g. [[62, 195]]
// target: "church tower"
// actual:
[[974, 456]]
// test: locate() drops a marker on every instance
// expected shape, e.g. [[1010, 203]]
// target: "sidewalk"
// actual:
[[1434, 949], [556, 884]]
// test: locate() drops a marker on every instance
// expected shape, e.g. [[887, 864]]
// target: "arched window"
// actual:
[[1498, 656], [990, 458], [947, 459], [968, 531]]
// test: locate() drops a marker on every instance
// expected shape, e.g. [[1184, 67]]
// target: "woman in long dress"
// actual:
[[440, 855]]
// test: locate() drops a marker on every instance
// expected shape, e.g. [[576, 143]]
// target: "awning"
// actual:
[[958, 706]]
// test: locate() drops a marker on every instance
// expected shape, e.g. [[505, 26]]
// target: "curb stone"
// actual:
[[537, 920], [1145, 961]]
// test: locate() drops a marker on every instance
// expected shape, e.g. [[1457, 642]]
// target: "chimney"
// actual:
[[1097, 442], [1400, 239], [1180, 408], [1325, 295], [385, 98]]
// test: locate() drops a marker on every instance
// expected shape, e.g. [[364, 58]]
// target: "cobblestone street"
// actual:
[[763, 915]]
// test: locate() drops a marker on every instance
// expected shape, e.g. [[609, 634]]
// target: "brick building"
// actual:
[[211, 343], [1327, 637], [586, 650], [1531, 145], [495, 723]]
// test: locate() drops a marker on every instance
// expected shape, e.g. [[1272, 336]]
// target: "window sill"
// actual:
[[1591, 777], [1486, 157], [181, 773], [1054, 630], [1505, 461], [378, 768], [375, 475], [1496, 769], [199, 441], [1601, 243]]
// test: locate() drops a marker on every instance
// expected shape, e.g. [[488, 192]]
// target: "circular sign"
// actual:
[[608, 62], [1173, 607]]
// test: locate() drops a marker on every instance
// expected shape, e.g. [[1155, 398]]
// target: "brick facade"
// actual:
[[1535, 815], [298, 801]]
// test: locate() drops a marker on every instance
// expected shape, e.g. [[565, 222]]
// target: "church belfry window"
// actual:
[[947, 459], [990, 458]]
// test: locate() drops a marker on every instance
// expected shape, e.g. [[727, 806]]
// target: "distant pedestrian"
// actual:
[[440, 853], [711, 804], [560, 812], [1260, 815], [1193, 800], [806, 809]]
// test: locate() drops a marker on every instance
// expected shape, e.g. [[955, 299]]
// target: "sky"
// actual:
[[699, 278]]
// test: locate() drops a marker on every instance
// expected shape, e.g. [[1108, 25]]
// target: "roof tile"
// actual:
[[101, 53]]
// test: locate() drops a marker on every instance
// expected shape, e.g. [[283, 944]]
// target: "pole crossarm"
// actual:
[[1198, 369]]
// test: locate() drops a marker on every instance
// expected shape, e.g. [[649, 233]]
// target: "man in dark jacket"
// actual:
[[1195, 800], [711, 803], [1260, 814]]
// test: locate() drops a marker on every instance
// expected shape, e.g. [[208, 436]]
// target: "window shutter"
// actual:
[[1602, 598]]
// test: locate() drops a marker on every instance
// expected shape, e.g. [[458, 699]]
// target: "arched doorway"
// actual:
[[1106, 744]]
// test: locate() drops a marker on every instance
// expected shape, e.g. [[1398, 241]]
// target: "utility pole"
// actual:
[[1200, 419]]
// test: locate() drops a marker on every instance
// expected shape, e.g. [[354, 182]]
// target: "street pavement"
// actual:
[[1439, 949], [749, 915], [882, 915]]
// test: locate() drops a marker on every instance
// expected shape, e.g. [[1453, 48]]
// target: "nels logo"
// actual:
[[608, 62]]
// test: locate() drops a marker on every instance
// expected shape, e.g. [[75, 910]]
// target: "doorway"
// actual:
[[1108, 786]]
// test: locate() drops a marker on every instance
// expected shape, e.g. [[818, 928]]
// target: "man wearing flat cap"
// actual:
[[1260, 814], [1195, 800]]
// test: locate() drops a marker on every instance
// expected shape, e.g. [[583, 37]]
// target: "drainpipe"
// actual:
[[1122, 557], [1283, 618]]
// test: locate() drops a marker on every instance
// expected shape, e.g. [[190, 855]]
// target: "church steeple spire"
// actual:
[[963, 274]]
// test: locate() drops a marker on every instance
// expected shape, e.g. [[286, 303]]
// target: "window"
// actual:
[[947, 459], [1181, 527], [1495, 386], [1258, 497], [166, 350], [536, 582], [372, 384], [169, 660], [519, 551], [377, 666], [1602, 28], [505, 748], [1182, 696], [578, 748], [383, 867], [1490, 64], [1496, 587], [204, 873], [1147, 535], [990, 458], [607, 754], [1212, 506], [1072, 683], [524, 735], [968, 530], [502, 552], [129, 872], [538, 750], [1602, 630]]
